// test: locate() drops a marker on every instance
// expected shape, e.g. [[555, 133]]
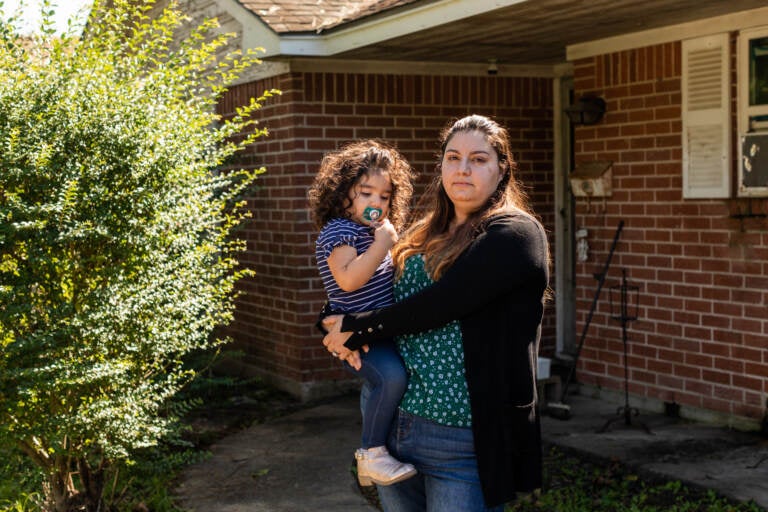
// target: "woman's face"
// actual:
[[470, 172]]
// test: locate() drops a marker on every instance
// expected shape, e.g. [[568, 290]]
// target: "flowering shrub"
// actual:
[[117, 254]]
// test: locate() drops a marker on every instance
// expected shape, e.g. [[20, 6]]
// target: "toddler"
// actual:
[[359, 201]]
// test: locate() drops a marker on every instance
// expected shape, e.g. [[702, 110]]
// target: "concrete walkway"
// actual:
[[294, 463], [301, 462]]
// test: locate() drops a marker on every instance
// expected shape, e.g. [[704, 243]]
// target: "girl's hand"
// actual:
[[384, 231]]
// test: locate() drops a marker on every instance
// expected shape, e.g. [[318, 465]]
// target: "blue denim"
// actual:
[[445, 458], [385, 381]]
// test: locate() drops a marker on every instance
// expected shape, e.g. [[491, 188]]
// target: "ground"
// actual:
[[573, 481]]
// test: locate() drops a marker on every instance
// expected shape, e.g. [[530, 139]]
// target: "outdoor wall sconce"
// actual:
[[592, 179], [588, 110], [493, 68]]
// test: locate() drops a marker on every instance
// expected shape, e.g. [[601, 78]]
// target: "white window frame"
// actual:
[[745, 110]]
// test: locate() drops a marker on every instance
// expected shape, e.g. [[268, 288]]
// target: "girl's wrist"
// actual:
[[383, 242]]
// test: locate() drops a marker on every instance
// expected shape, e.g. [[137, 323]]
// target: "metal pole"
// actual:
[[600, 282]]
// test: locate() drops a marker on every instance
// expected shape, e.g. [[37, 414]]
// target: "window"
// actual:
[[753, 112]]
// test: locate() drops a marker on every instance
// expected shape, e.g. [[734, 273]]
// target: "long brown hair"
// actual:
[[432, 235], [342, 169]]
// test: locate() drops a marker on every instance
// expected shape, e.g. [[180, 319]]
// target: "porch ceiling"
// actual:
[[537, 32]]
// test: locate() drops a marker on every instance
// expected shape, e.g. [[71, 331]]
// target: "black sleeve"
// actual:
[[511, 252], [324, 312]]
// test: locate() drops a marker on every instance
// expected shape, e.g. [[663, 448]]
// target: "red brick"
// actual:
[[704, 275]]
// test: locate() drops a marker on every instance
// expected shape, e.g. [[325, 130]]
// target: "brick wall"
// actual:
[[318, 112], [702, 332]]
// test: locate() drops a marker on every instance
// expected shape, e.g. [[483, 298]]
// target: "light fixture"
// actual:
[[588, 110], [493, 69], [592, 180]]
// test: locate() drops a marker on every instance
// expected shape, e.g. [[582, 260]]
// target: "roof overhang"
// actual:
[[385, 27], [509, 32]]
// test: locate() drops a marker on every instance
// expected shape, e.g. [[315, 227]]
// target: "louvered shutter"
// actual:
[[706, 117]]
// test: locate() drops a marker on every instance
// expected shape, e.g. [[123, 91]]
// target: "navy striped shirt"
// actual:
[[377, 292]]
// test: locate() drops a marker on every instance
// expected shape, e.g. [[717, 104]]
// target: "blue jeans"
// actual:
[[447, 465], [385, 380]]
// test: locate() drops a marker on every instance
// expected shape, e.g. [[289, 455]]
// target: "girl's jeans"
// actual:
[[385, 381], [445, 458]]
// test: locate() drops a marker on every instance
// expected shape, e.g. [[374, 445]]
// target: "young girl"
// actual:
[[359, 201]]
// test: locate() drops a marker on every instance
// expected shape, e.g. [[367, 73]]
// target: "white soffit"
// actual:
[[393, 67], [728, 23], [256, 33], [379, 28]]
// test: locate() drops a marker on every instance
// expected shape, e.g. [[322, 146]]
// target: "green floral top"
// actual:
[[437, 388]]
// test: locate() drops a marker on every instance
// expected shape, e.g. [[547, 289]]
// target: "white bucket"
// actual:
[[543, 367]]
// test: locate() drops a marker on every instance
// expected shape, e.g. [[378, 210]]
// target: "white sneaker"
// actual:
[[377, 466]]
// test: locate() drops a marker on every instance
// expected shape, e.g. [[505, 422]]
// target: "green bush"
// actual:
[[117, 259]]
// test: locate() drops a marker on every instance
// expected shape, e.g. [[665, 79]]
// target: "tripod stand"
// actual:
[[627, 294]]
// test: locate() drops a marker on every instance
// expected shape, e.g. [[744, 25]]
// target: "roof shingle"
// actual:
[[285, 16]]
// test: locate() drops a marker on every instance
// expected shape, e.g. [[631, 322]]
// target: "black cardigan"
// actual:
[[496, 290]]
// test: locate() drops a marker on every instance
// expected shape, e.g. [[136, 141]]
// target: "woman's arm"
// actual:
[[510, 253]]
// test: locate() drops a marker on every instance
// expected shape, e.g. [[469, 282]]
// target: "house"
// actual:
[[679, 158]]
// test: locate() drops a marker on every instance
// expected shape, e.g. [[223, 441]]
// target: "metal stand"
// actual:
[[627, 294]]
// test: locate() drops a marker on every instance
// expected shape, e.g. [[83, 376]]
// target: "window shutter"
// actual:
[[706, 117]]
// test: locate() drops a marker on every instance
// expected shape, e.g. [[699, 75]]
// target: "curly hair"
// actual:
[[342, 169]]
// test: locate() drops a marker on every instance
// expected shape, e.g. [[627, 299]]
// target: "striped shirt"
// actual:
[[377, 292]]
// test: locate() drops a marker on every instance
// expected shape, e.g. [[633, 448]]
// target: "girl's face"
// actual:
[[470, 172], [374, 190]]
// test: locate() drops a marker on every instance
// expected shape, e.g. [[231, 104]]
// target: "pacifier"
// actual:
[[372, 214]]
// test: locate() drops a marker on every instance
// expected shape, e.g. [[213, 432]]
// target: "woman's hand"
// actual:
[[335, 339], [353, 359]]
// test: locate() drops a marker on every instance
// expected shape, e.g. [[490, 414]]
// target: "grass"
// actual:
[[575, 484]]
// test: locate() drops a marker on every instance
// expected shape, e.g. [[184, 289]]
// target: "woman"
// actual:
[[470, 292]]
